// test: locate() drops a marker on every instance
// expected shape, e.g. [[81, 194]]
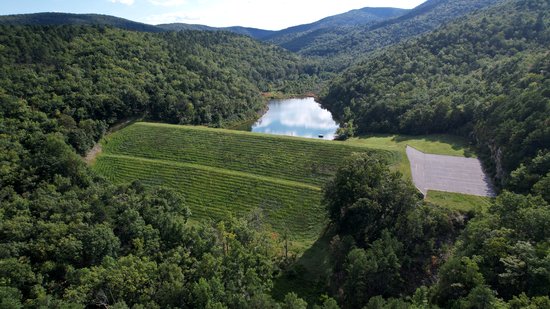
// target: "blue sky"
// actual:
[[265, 14]]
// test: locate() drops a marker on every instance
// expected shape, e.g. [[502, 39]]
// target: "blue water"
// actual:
[[297, 117]]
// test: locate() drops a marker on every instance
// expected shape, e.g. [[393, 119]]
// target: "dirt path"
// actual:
[[96, 150], [92, 154], [448, 173]]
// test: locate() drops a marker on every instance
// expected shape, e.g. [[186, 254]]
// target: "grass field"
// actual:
[[297, 159], [460, 202], [435, 144], [440, 144], [222, 172]]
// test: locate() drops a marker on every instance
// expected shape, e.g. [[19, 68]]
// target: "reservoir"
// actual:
[[297, 117]]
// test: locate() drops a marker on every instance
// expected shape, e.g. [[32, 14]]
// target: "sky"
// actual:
[[263, 14]]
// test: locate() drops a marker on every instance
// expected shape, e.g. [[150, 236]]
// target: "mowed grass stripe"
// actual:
[[215, 194], [308, 161], [218, 170]]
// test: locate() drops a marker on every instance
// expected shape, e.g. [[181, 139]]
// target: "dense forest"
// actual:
[[485, 77], [341, 46], [70, 239], [297, 37], [392, 250], [51, 19], [91, 77]]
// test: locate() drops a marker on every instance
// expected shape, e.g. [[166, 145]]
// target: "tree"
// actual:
[[375, 271], [365, 197], [10, 298], [292, 301], [457, 278]]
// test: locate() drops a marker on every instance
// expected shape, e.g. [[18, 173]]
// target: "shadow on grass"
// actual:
[[307, 277], [123, 123]]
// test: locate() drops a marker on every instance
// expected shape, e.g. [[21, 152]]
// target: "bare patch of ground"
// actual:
[[448, 174], [92, 154]]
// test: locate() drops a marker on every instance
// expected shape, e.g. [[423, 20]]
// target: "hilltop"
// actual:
[[44, 19], [359, 17], [342, 46]]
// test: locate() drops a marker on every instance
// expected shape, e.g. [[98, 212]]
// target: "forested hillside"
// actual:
[[342, 46], [392, 251], [296, 37], [90, 77], [51, 19], [258, 34], [71, 239], [485, 77]]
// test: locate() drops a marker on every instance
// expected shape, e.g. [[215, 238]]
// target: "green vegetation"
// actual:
[[222, 173], [484, 77], [509, 246], [386, 239], [300, 37], [205, 238], [69, 239], [440, 144], [459, 202], [50, 19], [342, 45], [90, 77], [309, 161], [388, 244], [435, 144], [213, 194]]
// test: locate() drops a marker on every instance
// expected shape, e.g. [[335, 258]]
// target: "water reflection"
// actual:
[[297, 117]]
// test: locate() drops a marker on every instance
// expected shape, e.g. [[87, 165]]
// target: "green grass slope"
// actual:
[[295, 159], [440, 144], [223, 173]]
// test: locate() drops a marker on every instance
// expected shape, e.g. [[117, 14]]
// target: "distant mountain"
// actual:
[[364, 16], [255, 33], [182, 27], [360, 17], [76, 19], [340, 40], [348, 44]]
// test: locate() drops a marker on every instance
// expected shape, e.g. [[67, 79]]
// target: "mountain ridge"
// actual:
[[254, 33], [349, 45], [362, 16], [56, 18]]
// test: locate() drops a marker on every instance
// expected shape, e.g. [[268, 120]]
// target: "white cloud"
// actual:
[[127, 2], [168, 2]]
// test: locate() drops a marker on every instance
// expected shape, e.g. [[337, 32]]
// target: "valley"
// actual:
[[225, 173], [152, 161]]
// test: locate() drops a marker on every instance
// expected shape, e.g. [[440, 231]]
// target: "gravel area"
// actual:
[[449, 174]]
